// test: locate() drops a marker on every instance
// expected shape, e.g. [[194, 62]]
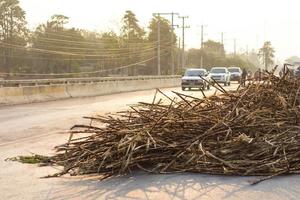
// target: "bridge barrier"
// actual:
[[29, 91]]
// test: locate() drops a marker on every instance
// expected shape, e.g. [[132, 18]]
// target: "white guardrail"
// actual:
[[58, 81]]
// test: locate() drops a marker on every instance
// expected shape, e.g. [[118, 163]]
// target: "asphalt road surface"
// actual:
[[38, 127]]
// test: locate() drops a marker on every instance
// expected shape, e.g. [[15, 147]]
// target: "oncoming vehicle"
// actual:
[[297, 72], [220, 75], [235, 74], [193, 78]]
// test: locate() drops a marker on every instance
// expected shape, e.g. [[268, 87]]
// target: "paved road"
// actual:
[[39, 119], [38, 127], [29, 120]]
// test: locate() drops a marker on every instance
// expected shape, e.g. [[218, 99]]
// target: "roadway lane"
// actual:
[[30, 120], [39, 127], [38, 119]]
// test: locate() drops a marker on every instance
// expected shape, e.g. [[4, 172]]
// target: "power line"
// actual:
[[89, 58], [67, 53], [78, 73], [94, 49], [65, 46], [83, 36], [80, 42], [75, 46], [85, 59]]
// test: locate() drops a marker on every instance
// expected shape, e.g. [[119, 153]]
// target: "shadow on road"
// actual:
[[178, 186]]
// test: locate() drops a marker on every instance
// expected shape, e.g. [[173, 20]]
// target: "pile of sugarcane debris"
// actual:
[[253, 130]]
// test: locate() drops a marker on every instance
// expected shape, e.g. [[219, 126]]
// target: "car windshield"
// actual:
[[234, 69], [194, 73], [218, 71]]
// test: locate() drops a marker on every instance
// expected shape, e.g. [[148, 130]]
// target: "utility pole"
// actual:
[[183, 29], [158, 43], [172, 44], [222, 39], [172, 39], [234, 46], [202, 36], [158, 47], [202, 45], [201, 59], [178, 54]]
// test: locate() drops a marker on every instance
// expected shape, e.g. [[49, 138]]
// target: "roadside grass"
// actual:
[[34, 159]]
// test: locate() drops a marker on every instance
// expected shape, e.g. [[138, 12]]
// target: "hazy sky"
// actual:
[[249, 21]]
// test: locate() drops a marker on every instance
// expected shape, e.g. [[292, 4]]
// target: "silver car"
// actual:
[[236, 74], [193, 78]]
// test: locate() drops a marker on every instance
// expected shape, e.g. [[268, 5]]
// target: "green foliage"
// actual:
[[131, 31], [56, 42], [215, 48], [240, 61], [13, 31], [133, 39], [53, 48], [213, 54], [34, 159], [12, 22], [165, 44], [58, 21], [266, 54], [165, 30]]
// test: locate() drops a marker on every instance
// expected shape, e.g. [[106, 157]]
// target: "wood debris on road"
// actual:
[[253, 130]]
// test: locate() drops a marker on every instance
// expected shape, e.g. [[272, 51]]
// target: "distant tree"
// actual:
[[58, 49], [54, 46], [113, 50], [165, 42], [13, 31], [131, 31], [58, 21], [240, 61], [252, 57], [214, 47], [132, 37], [266, 54], [213, 54], [194, 57]]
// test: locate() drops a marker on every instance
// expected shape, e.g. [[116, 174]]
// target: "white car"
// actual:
[[220, 75], [193, 78]]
